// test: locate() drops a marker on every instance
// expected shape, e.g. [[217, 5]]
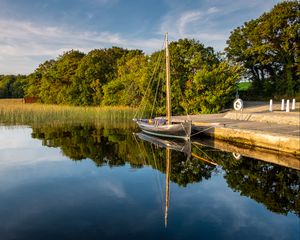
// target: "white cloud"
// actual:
[[198, 24], [211, 21], [114, 188], [186, 18], [24, 45], [19, 150], [28, 39], [190, 17]]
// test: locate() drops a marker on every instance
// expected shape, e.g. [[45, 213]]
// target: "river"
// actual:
[[104, 182]]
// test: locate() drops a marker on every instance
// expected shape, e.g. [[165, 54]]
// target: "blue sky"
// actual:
[[32, 31]]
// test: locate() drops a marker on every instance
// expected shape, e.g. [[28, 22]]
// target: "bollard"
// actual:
[[294, 104], [271, 105], [287, 105], [282, 104]]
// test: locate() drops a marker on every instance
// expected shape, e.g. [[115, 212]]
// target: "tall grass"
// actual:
[[14, 111]]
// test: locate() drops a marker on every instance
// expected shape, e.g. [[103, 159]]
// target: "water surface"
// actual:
[[91, 182]]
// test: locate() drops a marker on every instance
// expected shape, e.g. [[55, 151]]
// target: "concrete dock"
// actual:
[[255, 126]]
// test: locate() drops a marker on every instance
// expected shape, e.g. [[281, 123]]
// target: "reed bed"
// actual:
[[14, 111]]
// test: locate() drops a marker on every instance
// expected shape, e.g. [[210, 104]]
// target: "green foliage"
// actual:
[[243, 86], [268, 48], [12, 86], [56, 82], [129, 85], [117, 76], [95, 70], [212, 88], [187, 57], [34, 80]]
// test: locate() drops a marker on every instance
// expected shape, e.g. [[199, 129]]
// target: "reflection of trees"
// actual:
[[81, 142], [274, 186], [183, 170], [115, 147]]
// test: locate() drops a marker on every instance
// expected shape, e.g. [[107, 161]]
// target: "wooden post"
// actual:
[[294, 104], [287, 105], [282, 104], [271, 105]]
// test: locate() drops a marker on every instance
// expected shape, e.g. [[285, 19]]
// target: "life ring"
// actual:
[[237, 156], [238, 104]]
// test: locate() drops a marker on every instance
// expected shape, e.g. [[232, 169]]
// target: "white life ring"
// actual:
[[237, 156], [238, 104]]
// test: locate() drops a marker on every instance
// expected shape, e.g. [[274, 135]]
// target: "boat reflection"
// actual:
[[183, 146], [177, 145]]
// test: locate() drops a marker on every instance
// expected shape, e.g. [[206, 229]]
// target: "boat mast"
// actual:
[[168, 76]]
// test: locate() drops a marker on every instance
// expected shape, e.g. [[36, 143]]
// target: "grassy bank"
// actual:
[[14, 111]]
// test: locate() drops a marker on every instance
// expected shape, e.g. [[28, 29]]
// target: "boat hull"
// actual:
[[174, 144], [176, 130]]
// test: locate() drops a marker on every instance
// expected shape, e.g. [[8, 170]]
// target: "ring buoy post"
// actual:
[[238, 104]]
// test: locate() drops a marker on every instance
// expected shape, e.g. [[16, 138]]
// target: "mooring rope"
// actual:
[[203, 152]]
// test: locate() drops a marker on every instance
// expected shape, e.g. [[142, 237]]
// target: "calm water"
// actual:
[[87, 182]]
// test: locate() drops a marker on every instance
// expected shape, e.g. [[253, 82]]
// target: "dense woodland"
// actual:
[[264, 51]]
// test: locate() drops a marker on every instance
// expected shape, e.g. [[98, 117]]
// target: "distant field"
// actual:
[[244, 86], [14, 111]]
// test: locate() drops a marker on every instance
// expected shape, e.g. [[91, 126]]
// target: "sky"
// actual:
[[33, 31]]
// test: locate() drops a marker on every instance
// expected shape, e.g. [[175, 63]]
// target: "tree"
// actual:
[[187, 57], [57, 79], [12, 86], [268, 48], [96, 69], [212, 88], [129, 86], [34, 80]]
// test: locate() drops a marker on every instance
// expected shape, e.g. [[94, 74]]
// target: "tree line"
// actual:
[[265, 51]]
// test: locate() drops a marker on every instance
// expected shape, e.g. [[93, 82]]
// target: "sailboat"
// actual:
[[165, 127]]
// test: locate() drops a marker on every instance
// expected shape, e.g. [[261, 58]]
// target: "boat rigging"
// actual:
[[164, 126]]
